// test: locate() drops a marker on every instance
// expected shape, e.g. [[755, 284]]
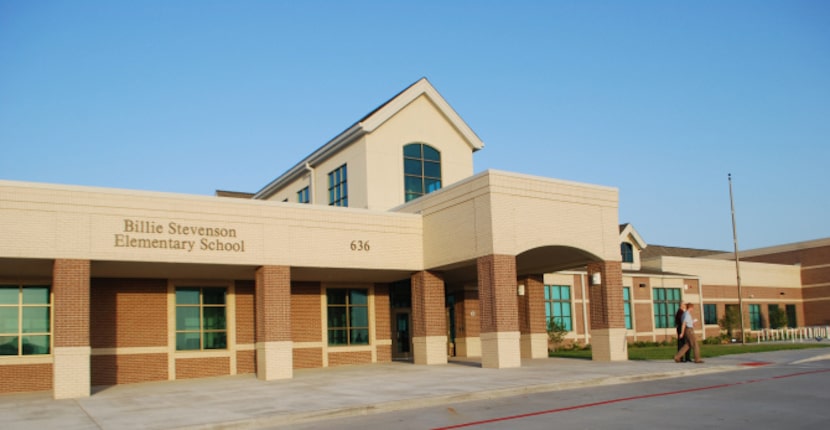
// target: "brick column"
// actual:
[[532, 321], [274, 348], [608, 341], [70, 287], [429, 319], [500, 347]]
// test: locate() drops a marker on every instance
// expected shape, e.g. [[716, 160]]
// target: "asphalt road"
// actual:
[[784, 395]]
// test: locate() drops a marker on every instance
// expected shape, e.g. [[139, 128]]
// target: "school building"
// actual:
[[380, 245]]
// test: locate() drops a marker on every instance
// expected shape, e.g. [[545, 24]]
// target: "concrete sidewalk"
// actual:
[[245, 402]]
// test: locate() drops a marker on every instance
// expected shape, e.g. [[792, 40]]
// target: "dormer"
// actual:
[[413, 144], [631, 244]]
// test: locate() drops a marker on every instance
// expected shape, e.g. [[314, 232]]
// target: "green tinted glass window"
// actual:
[[25, 320], [36, 295], [201, 321], [422, 170], [347, 315], [9, 295]]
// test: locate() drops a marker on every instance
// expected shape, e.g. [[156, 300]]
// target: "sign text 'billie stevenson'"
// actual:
[[177, 236]]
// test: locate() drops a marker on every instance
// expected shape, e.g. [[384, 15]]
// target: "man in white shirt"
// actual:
[[688, 332]]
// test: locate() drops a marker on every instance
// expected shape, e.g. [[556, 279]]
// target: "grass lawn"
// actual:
[[667, 352]]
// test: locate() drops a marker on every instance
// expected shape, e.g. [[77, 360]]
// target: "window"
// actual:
[[302, 195], [25, 324], [421, 170], [348, 316], [558, 305], [200, 319], [627, 251], [710, 314], [755, 317], [338, 187], [792, 322], [627, 307], [666, 302]]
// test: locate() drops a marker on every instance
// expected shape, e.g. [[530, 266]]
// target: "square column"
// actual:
[[70, 286], [608, 342], [429, 319], [500, 346], [532, 320], [274, 348]]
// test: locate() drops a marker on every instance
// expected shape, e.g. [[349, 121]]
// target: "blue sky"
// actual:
[[660, 99]]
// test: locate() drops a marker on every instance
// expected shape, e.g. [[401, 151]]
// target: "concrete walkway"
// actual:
[[245, 402]]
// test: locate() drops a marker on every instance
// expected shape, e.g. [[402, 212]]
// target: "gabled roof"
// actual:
[[777, 249], [652, 251], [628, 230], [370, 123]]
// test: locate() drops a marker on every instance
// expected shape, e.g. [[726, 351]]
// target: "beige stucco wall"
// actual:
[[506, 213], [290, 190], [418, 122], [720, 272], [56, 221]]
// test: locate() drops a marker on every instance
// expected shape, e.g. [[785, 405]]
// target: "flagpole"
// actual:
[[737, 261]]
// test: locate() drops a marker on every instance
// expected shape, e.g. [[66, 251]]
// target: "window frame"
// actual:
[[556, 306], [627, 315], [627, 252], [338, 186], [303, 196], [665, 307], [710, 313], [422, 178], [755, 319], [202, 331], [792, 317], [349, 309], [21, 333]]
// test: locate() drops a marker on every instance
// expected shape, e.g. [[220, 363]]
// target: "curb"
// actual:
[[279, 420]]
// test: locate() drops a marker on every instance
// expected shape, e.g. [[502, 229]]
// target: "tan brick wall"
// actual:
[[71, 306], [308, 358], [187, 368], [383, 323], [606, 309], [305, 312], [23, 378], [641, 293], [245, 317], [127, 369], [428, 311], [497, 293], [346, 358], [245, 362], [579, 315], [384, 353], [273, 304], [128, 313]]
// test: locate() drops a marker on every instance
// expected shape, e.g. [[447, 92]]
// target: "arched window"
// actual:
[[627, 251], [421, 170]]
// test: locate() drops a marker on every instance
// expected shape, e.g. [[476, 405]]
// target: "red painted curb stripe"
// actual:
[[626, 399]]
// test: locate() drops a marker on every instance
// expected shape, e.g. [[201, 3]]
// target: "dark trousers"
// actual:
[[680, 343]]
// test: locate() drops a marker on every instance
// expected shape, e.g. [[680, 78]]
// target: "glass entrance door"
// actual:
[[401, 339]]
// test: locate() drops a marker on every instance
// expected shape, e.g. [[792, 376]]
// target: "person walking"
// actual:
[[678, 325], [687, 332]]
